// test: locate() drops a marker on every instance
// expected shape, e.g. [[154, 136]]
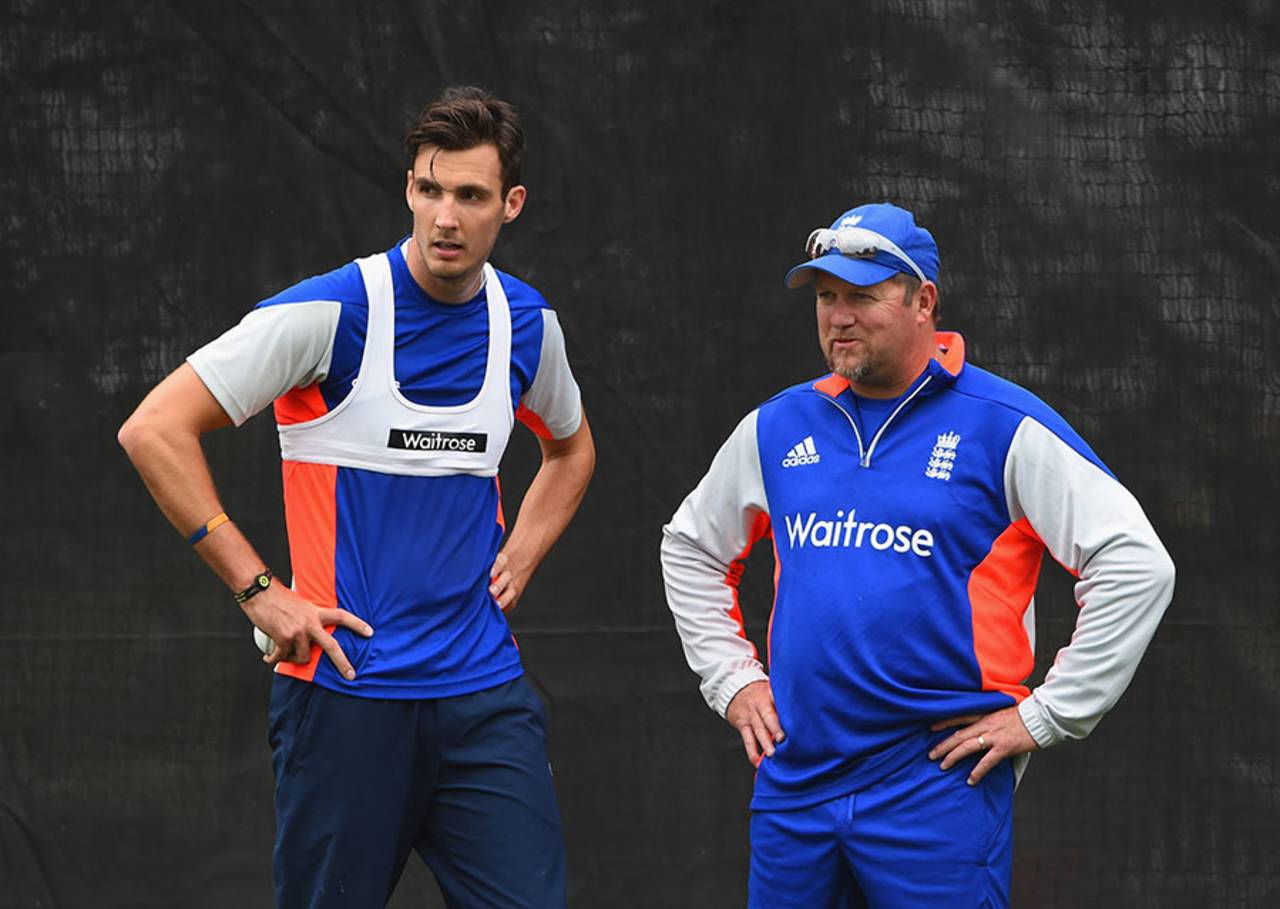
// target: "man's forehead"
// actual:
[[480, 163]]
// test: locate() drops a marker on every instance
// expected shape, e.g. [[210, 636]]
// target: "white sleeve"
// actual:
[[702, 552], [273, 349], [554, 396], [1096, 529]]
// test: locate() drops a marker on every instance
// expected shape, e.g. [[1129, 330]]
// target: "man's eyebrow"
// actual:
[[425, 182]]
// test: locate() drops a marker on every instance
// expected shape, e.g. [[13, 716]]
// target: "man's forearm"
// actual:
[[552, 499], [162, 439]]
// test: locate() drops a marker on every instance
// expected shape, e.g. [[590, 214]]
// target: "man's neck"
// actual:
[[454, 290], [896, 388]]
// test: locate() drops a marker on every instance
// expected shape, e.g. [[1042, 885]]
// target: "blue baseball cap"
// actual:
[[867, 245]]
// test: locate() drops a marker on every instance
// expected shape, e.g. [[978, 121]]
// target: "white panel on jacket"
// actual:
[[708, 532], [1095, 528]]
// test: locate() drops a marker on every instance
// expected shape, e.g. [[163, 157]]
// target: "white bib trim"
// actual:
[[376, 428]]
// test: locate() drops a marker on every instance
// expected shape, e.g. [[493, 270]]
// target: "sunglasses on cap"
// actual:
[[857, 243]]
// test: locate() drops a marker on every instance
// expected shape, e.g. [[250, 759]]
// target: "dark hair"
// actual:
[[464, 117], [913, 284]]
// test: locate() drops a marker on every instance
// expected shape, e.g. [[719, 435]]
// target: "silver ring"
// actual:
[[981, 742]]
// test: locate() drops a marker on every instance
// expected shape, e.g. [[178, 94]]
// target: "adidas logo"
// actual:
[[942, 460], [803, 453]]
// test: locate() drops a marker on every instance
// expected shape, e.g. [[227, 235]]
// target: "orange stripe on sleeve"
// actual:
[[733, 577], [311, 517], [1000, 590], [533, 421], [777, 576]]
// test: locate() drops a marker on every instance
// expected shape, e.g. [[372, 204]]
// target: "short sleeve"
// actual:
[[272, 350], [553, 401]]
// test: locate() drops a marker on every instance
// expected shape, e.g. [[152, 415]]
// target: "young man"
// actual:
[[910, 498], [400, 718]]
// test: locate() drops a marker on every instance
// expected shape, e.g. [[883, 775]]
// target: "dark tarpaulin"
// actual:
[[1102, 181]]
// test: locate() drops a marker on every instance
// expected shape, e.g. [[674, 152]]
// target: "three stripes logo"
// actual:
[[802, 453]]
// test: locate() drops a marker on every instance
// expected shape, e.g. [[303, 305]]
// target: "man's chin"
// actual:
[[854, 372], [447, 271]]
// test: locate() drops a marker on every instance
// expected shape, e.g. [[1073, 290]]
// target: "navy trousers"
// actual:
[[463, 781]]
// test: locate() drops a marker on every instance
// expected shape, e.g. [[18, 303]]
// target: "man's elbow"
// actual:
[[578, 452], [134, 433], [1164, 574], [588, 461], [143, 432]]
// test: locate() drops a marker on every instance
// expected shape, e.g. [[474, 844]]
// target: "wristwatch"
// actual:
[[260, 583]]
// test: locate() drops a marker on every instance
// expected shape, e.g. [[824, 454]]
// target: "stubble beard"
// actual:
[[858, 372]]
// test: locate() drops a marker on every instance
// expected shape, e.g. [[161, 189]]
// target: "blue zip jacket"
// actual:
[[906, 563]]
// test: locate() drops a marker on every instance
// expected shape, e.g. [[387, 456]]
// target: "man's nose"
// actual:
[[447, 212], [843, 313]]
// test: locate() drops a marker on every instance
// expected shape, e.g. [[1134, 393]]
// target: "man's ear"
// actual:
[[514, 203], [927, 300]]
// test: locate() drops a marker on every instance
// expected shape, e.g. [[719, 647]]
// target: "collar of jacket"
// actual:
[[945, 367]]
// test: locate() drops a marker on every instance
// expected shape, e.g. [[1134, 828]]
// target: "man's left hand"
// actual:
[[1001, 735], [507, 581]]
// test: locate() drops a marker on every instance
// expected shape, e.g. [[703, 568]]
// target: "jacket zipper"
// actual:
[[864, 456]]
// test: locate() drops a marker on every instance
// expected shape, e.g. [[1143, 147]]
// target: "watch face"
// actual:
[[264, 581]]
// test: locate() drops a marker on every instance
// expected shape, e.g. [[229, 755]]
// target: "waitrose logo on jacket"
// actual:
[[845, 531]]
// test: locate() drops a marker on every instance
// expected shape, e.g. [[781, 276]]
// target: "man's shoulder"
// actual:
[[981, 384], [520, 294], [791, 407], [793, 394], [343, 285]]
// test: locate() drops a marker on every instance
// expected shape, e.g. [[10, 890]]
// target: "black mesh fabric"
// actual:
[[1101, 180]]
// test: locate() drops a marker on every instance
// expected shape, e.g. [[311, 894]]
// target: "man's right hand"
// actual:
[[294, 623], [752, 713]]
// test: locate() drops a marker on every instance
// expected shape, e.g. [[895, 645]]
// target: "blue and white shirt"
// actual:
[[907, 548], [409, 554]]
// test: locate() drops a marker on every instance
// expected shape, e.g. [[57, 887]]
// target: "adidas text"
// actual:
[[802, 453]]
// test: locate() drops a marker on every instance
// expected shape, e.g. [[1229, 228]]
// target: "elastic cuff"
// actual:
[[1037, 725], [733, 683]]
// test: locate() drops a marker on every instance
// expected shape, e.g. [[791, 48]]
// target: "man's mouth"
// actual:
[[446, 248]]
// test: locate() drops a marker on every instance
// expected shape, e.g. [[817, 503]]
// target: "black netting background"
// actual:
[[1102, 181]]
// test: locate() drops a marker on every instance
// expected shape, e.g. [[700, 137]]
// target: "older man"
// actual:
[[910, 498]]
